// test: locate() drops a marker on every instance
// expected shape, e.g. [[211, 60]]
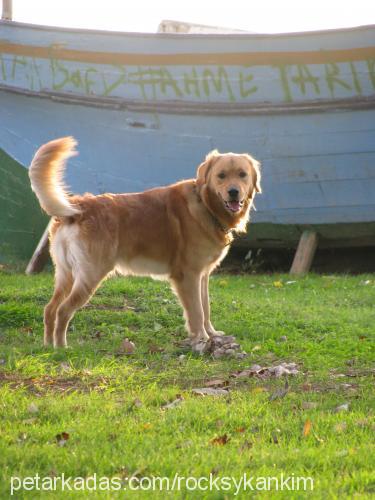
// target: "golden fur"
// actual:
[[180, 232]]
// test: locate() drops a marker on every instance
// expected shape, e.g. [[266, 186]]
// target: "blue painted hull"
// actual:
[[312, 125]]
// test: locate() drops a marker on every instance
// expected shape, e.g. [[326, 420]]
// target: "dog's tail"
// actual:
[[46, 175]]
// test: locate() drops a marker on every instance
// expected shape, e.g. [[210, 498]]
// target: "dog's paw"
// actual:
[[216, 333], [60, 345]]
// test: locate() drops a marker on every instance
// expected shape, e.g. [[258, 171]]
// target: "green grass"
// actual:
[[111, 404]]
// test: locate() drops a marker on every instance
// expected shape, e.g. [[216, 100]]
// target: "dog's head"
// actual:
[[232, 178]]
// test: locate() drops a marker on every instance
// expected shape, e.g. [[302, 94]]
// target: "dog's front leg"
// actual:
[[188, 290], [206, 307]]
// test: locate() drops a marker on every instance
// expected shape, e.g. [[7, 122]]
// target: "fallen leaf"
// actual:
[[220, 440], [217, 382], [246, 445], [65, 367], [147, 426], [157, 327], [347, 386], [340, 427], [154, 349], [210, 391], [173, 404], [284, 369], [33, 408], [270, 371], [62, 438], [22, 436], [280, 393], [29, 421], [341, 408], [127, 347], [364, 422], [241, 429], [306, 428], [309, 405], [26, 329], [278, 284]]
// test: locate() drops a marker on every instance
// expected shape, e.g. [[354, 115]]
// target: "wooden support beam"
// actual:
[[305, 253], [7, 13], [41, 253]]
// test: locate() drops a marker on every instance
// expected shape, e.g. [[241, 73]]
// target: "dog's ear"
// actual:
[[205, 167], [255, 164]]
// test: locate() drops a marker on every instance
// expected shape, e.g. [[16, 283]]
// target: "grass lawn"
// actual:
[[91, 409]]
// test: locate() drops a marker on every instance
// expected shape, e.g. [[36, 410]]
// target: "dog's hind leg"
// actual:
[[63, 286], [81, 292]]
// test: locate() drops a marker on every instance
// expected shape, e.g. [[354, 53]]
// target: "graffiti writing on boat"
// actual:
[[274, 83]]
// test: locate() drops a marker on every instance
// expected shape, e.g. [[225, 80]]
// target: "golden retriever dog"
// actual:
[[179, 232]]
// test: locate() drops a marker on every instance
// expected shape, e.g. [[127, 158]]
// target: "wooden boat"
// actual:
[[146, 108]]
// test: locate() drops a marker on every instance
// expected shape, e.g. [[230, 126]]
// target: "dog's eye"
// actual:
[[221, 175], [242, 174]]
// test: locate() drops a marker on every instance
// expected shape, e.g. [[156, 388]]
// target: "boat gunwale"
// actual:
[[198, 108], [138, 34]]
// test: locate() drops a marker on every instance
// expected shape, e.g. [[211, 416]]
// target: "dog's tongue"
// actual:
[[234, 205]]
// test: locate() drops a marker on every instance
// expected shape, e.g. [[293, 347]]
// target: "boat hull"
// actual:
[[146, 109]]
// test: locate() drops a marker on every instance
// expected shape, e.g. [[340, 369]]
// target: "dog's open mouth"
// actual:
[[233, 206]]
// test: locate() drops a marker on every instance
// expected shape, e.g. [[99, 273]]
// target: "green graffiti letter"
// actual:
[[18, 61], [192, 81], [356, 82], [245, 92], [139, 78], [3, 70], [332, 78], [59, 70], [88, 81], [283, 72], [217, 81], [36, 72], [305, 77], [168, 81], [76, 78], [120, 80], [371, 70]]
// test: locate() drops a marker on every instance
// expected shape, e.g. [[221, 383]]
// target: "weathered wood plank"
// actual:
[[40, 256], [305, 253]]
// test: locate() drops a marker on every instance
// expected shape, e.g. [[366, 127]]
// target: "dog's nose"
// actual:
[[233, 193]]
